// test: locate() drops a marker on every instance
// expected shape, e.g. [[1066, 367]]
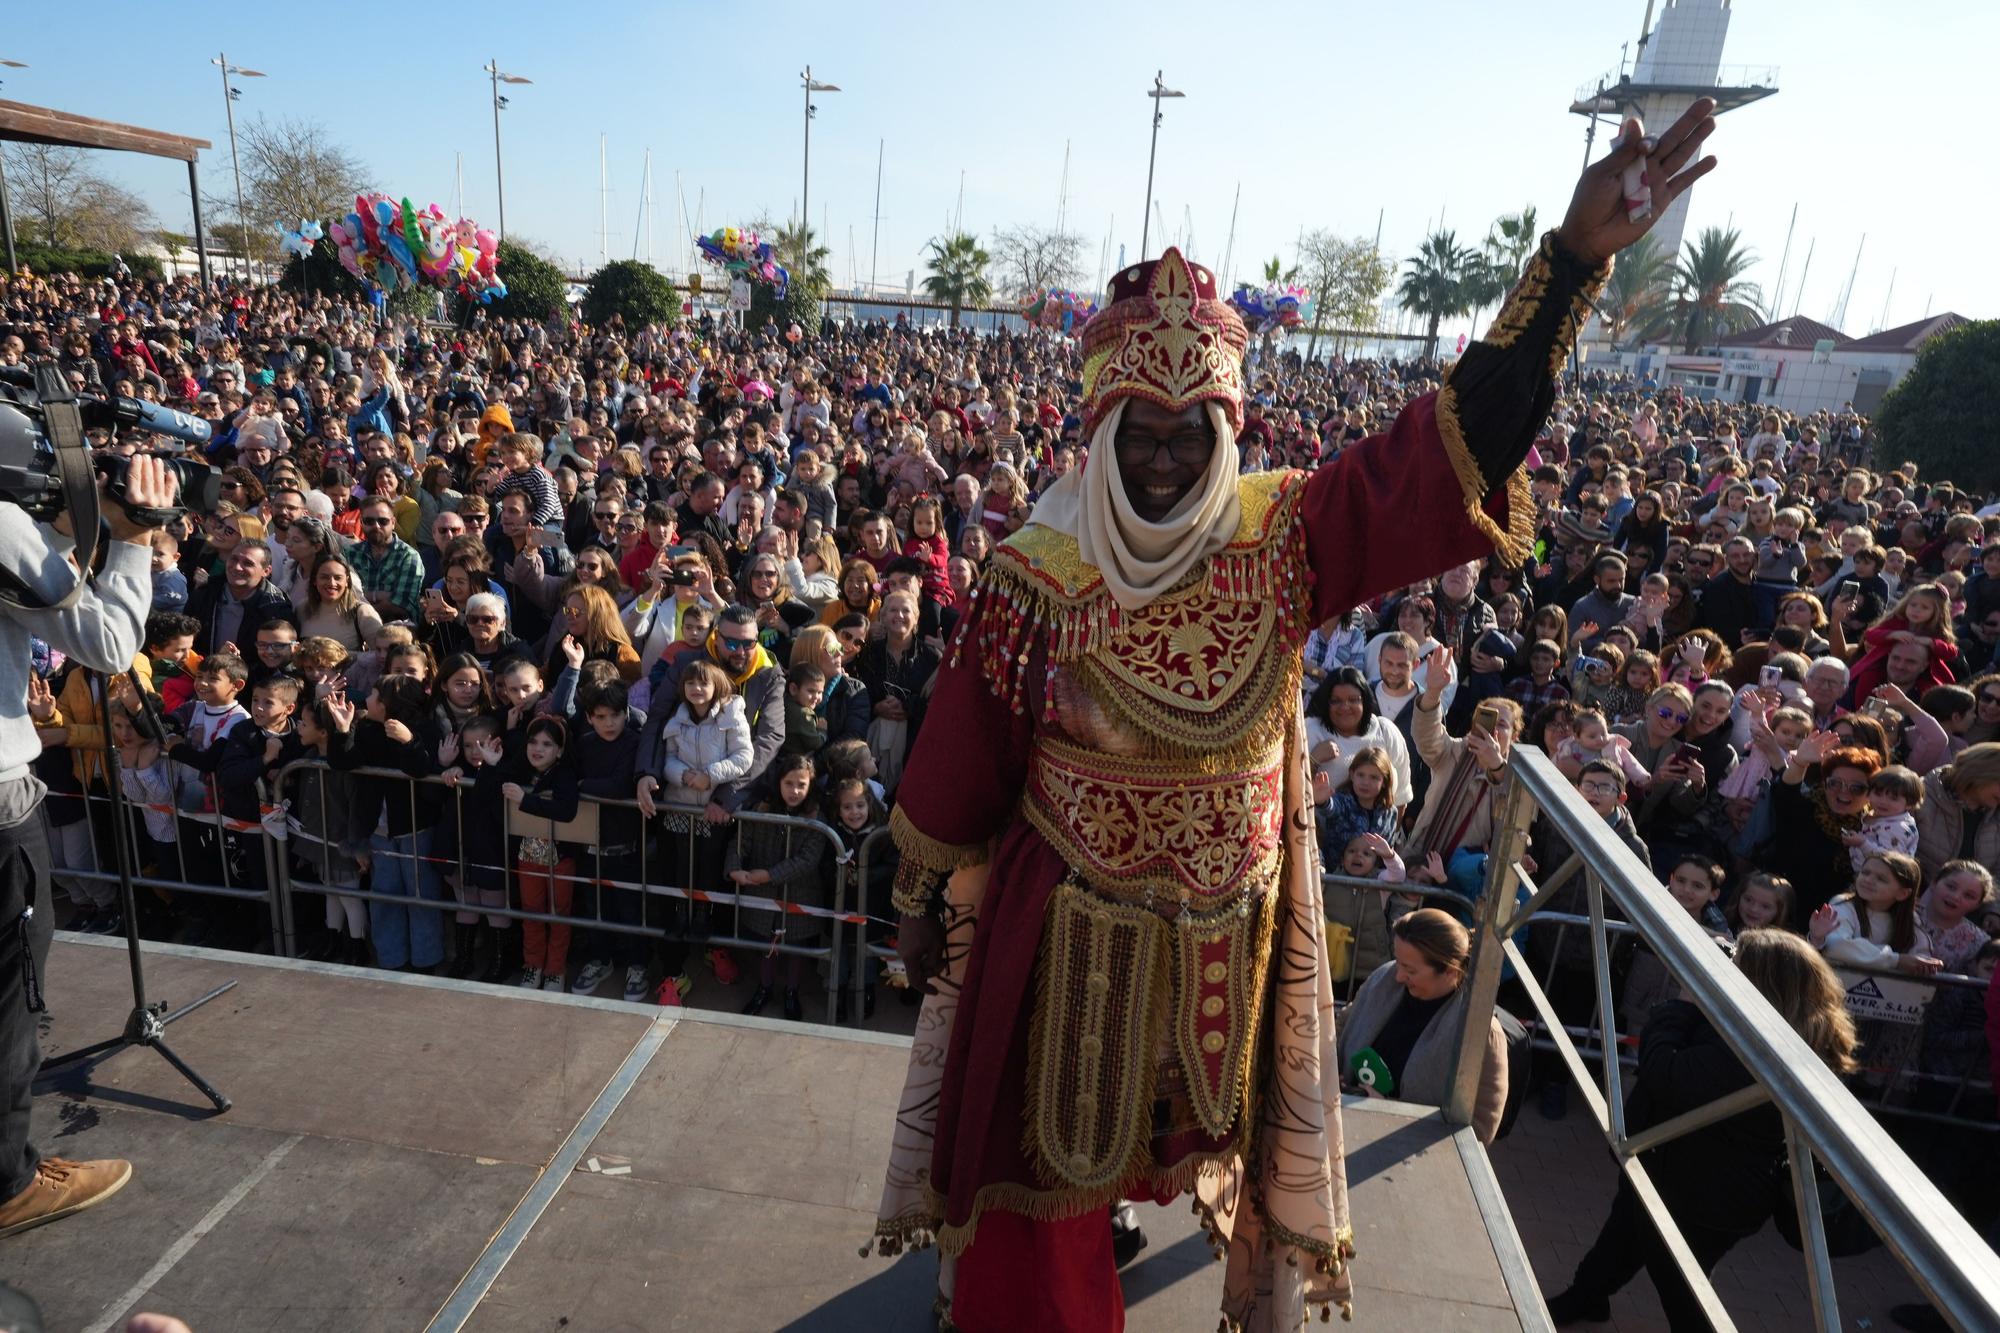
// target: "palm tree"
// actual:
[[804, 261], [1433, 285], [958, 273], [1636, 299], [1711, 300], [1275, 272], [1487, 278], [1511, 240]]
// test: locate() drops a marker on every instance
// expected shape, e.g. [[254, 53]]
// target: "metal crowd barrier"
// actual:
[[653, 879], [1825, 1126]]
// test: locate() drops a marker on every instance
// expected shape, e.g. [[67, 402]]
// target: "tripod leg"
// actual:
[[187, 1072], [84, 1052], [193, 1005]]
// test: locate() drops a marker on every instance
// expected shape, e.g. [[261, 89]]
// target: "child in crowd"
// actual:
[[1948, 911], [154, 783], [517, 693], [1781, 557], [332, 843], [170, 586], [543, 787], [471, 844], [858, 814], [776, 861], [1369, 856], [203, 725], [276, 643], [1762, 900], [1364, 803], [605, 755], [395, 730], [1637, 680], [850, 757], [701, 744], [1596, 674], [1893, 793], [1695, 883], [1876, 924], [927, 543], [1591, 741], [1539, 686], [1774, 734], [696, 621], [319, 660], [805, 731], [169, 649]]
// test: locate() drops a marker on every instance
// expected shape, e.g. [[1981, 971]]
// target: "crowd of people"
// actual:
[[704, 571]]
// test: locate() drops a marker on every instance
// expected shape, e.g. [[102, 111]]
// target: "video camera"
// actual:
[[46, 466]]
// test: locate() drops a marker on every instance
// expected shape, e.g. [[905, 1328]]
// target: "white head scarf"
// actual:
[[1141, 560]]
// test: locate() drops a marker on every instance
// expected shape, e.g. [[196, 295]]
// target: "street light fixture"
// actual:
[[500, 76], [1156, 92], [229, 95], [811, 86], [6, 213]]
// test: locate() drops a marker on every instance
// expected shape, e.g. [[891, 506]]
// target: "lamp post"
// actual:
[[500, 76], [1156, 92], [7, 214], [229, 96], [811, 86]]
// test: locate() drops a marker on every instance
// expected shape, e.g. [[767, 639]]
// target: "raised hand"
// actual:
[[340, 709], [572, 652], [41, 701], [1596, 226], [448, 750], [1824, 919]]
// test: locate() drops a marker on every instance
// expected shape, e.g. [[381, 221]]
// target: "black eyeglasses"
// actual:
[[1187, 449]]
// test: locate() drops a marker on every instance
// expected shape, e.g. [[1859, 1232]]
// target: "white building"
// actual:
[[1797, 364]]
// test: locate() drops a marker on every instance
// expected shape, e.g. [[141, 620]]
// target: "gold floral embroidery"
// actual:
[[1523, 303], [1206, 835], [1171, 348]]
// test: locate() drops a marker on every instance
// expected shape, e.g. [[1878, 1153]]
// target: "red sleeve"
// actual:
[[1403, 505], [968, 766]]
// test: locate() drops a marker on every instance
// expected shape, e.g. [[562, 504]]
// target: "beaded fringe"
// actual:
[[1021, 614]]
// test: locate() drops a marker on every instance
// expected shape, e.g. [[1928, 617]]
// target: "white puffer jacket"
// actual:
[[718, 745]]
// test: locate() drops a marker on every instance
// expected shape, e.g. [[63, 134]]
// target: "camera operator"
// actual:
[[101, 629]]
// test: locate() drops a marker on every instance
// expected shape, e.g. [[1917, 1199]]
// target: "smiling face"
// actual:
[[1955, 896], [1162, 455]]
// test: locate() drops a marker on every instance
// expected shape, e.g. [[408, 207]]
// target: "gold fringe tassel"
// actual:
[[1514, 542], [921, 859]]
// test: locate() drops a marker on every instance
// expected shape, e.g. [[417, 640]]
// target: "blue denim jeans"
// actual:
[[404, 934]]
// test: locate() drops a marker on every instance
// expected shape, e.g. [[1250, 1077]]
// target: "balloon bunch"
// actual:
[[391, 245], [1267, 309], [744, 255], [1058, 309], [299, 242]]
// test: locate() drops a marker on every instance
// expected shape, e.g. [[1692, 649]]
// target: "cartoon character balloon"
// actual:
[[744, 254], [1269, 309], [1058, 309], [392, 244]]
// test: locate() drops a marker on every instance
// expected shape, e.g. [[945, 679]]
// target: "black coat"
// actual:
[[1724, 1176], [266, 603]]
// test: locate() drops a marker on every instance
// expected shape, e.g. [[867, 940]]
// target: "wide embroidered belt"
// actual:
[[1152, 832], [1122, 990]]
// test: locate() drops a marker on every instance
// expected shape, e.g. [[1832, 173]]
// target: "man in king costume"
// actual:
[[1108, 881]]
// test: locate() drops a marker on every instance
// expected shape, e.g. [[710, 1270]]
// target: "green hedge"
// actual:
[[89, 263]]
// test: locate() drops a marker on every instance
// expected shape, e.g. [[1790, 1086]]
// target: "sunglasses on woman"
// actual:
[[1672, 715]]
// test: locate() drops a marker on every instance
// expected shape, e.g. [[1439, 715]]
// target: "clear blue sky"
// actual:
[[1325, 113]]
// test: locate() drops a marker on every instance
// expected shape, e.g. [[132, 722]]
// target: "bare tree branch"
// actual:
[[71, 206], [1030, 259]]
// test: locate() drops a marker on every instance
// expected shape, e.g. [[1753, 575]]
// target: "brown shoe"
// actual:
[[60, 1188]]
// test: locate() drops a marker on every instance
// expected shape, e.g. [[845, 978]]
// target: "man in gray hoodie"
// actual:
[[101, 627]]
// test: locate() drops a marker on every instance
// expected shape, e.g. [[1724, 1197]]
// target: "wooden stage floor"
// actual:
[[407, 1154]]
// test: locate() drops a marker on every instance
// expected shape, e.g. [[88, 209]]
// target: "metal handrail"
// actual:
[[1824, 1122]]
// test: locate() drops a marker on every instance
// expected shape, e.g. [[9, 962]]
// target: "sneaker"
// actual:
[[553, 983], [668, 995], [83, 923], [591, 977], [724, 967], [108, 922], [62, 1187], [531, 978], [635, 984]]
